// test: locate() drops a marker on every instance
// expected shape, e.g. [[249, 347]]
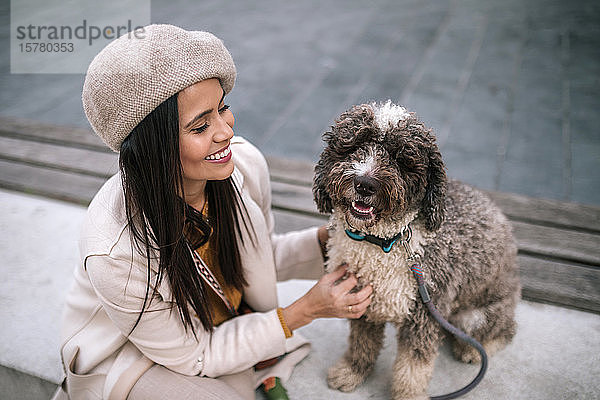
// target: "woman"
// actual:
[[180, 242]]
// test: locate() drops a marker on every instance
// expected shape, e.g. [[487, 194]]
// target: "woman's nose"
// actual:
[[229, 118], [225, 129]]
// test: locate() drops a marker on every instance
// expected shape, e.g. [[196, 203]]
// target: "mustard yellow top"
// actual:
[[218, 309]]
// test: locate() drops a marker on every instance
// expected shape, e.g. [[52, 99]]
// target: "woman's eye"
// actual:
[[200, 129], [206, 125]]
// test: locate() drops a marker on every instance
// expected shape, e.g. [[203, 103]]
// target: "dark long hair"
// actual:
[[152, 177]]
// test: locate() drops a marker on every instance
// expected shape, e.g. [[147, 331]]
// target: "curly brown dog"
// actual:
[[381, 171]]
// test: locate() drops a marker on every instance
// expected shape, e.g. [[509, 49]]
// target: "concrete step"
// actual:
[[17, 385]]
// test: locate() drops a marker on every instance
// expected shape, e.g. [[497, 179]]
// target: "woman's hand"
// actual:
[[331, 297]]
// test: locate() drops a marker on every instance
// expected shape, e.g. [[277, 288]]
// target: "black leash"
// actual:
[[404, 236], [418, 274]]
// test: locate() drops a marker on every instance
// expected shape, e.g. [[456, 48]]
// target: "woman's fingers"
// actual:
[[337, 295], [347, 284], [361, 295], [356, 310], [335, 275]]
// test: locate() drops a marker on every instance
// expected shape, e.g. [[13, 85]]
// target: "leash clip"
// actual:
[[405, 240]]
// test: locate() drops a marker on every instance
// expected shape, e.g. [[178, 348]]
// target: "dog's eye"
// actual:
[[342, 141], [352, 130], [408, 158]]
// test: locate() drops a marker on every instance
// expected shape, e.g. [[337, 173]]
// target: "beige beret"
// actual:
[[135, 73]]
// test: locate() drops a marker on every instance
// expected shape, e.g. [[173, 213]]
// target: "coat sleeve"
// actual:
[[160, 335], [297, 254]]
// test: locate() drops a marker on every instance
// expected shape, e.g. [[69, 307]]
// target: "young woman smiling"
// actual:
[[175, 295]]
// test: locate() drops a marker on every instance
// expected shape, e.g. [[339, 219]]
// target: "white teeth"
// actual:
[[220, 155], [362, 210]]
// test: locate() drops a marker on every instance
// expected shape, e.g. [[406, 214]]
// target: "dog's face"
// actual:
[[380, 161]]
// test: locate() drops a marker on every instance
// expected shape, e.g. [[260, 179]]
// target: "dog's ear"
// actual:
[[322, 199], [433, 206]]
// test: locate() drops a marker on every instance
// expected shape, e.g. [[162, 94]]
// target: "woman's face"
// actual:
[[205, 128]]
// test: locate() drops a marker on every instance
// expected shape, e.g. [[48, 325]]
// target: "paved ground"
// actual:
[[512, 88], [553, 356]]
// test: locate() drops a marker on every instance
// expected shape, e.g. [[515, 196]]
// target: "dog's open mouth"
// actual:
[[362, 210]]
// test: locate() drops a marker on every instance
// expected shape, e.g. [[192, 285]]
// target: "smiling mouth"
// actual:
[[362, 210], [220, 156]]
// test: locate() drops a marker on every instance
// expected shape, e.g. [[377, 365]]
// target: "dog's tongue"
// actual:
[[361, 207]]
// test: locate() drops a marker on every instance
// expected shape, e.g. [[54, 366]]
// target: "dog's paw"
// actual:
[[469, 354], [466, 354], [343, 378]]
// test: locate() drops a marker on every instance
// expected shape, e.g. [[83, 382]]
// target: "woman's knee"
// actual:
[[161, 383]]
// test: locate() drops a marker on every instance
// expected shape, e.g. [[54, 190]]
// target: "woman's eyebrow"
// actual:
[[202, 114], [197, 117]]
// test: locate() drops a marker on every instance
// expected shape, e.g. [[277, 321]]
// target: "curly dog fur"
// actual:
[[380, 171]]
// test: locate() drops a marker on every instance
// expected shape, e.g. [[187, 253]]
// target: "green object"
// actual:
[[276, 392]]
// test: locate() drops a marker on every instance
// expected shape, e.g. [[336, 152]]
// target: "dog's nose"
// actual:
[[365, 185]]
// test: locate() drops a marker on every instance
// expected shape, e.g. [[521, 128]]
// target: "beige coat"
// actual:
[[101, 361]]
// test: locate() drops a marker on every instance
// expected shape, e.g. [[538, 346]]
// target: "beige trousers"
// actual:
[[161, 383]]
